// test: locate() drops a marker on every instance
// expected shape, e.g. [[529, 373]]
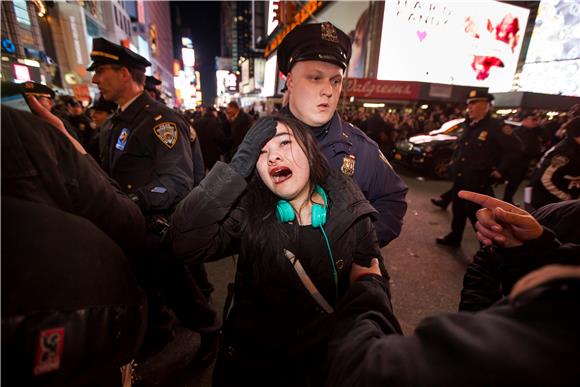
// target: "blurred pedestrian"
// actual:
[[151, 87], [484, 155], [240, 123], [212, 139], [528, 136], [79, 120], [100, 112], [314, 58]]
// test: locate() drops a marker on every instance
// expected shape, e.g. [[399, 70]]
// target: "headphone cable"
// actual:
[[332, 264]]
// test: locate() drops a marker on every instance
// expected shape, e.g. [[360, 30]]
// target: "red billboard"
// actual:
[[373, 88]]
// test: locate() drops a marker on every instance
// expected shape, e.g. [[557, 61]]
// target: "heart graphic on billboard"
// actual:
[[421, 35]]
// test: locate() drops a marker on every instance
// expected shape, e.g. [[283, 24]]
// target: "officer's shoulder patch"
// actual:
[[167, 132], [559, 161], [382, 157], [507, 130], [192, 133]]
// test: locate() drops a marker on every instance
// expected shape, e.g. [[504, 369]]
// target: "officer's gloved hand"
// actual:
[[248, 152]]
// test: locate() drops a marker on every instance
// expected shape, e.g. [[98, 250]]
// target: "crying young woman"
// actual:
[[297, 228]]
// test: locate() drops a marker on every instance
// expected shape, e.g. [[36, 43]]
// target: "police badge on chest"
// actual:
[[348, 164]]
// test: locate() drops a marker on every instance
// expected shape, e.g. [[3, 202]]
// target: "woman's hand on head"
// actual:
[[244, 160]]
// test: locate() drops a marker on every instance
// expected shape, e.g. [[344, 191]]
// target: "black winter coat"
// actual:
[[531, 339], [275, 333]]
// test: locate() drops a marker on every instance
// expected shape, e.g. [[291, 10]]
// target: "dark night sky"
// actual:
[[203, 20]]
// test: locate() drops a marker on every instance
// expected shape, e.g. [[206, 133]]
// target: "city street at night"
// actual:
[[327, 160]]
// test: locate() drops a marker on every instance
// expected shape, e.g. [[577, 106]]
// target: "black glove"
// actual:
[[248, 152], [157, 224]]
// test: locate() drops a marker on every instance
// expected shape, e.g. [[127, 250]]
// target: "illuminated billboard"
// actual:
[[352, 17], [459, 43], [553, 60]]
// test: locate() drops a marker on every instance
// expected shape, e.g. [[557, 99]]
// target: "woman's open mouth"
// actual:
[[280, 174]]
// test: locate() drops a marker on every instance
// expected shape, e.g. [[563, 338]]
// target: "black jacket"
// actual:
[[40, 165], [557, 176], [149, 154], [532, 339], [275, 329], [211, 137]]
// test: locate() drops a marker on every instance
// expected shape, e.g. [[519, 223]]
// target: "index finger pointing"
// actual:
[[487, 201]]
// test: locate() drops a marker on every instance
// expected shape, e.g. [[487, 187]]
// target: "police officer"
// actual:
[[45, 95], [557, 176], [531, 151], [485, 152], [151, 84], [314, 58], [149, 155]]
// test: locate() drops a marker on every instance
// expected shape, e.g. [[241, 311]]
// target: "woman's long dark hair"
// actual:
[[263, 228]]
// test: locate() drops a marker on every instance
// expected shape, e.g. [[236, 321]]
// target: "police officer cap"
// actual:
[[479, 95], [104, 106], [151, 83], [105, 52], [320, 41], [37, 90]]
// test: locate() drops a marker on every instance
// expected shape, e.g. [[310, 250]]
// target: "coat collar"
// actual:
[[142, 102]]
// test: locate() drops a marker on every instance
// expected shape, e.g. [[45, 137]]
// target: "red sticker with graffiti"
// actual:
[[49, 350]]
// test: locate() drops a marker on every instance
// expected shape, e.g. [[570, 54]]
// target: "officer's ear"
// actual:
[[290, 81], [125, 73]]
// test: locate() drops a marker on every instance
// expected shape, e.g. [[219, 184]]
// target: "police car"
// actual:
[[432, 152]]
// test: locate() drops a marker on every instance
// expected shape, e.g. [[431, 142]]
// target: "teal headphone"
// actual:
[[285, 213]]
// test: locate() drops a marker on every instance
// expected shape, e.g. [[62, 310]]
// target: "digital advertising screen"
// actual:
[[352, 17], [472, 43], [552, 64]]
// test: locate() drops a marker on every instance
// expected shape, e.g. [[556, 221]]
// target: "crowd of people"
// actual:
[[134, 198]]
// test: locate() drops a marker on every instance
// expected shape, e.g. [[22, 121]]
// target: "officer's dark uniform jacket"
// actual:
[[531, 340], [275, 329], [149, 154], [484, 146], [557, 176], [382, 187]]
